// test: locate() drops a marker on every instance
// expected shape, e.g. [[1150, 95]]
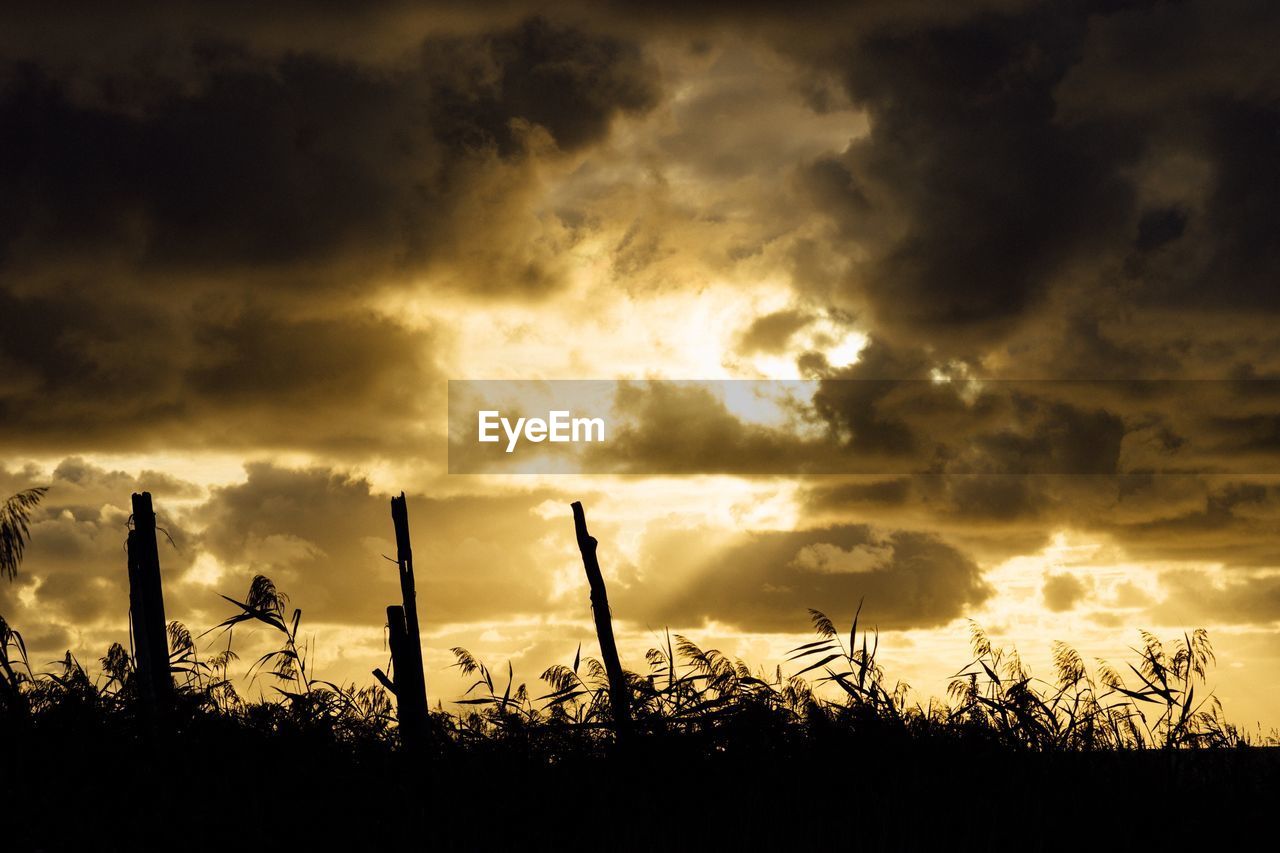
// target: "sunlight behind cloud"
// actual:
[[596, 332]]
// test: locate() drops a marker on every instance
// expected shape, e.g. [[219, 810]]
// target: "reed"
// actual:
[[832, 684]]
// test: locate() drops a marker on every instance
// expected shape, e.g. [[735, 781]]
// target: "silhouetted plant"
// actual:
[[15, 668], [348, 710], [15, 518], [703, 696], [1083, 713], [853, 670]]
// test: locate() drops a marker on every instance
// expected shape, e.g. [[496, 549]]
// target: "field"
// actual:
[[695, 750]]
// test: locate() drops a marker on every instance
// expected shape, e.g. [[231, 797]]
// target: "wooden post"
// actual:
[[406, 641], [619, 693], [396, 638], [146, 606], [408, 712]]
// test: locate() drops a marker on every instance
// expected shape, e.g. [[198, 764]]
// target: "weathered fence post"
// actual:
[[409, 686], [146, 606], [619, 693], [410, 714]]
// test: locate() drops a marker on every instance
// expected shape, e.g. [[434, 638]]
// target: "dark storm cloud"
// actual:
[[200, 204], [974, 451], [201, 237], [1230, 521], [253, 164], [1168, 470], [968, 197], [1152, 518], [856, 424], [1150, 58], [1031, 165], [681, 429], [101, 370], [1018, 184], [768, 582]]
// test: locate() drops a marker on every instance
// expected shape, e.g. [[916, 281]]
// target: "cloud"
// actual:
[[75, 572], [685, 428], [1229, 521], [967, 202], [767, 581], [865, 492], [1063, 591], [299, 168], [1194, 596], [221, 372], [852, 420], [825, 558], [325, 536], [771, 333], [202, 242], [1035, 167], [222, 230], [322, 535]]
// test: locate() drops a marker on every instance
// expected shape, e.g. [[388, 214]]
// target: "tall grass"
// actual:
[[838, 683], [834, 683], [822, 749]]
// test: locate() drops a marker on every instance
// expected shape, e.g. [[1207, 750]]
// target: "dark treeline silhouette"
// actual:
[[695, 750]]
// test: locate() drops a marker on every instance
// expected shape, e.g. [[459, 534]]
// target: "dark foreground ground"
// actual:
[[68, 788]]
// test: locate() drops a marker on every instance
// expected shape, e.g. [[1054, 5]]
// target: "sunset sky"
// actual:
[[244, 247]]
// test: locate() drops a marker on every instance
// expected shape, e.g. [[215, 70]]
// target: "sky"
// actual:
[[1024, 255]]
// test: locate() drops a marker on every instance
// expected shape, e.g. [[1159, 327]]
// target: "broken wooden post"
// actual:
[[146, 606], [410, 713], [409, 683], [396, 639], [619, 694]]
